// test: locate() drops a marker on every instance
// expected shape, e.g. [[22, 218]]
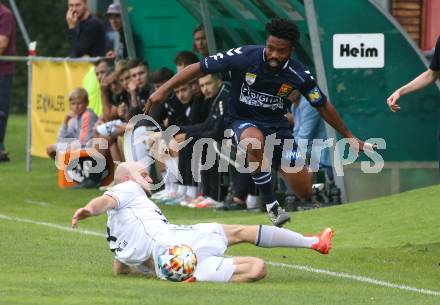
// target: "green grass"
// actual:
[[394, 239]]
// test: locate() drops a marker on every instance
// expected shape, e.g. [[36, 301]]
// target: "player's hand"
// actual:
[[68, 116], [110, 55], [365, 146], [147, 107], [180, 137], [71, 18], [80, 214], [132, 87], [392, 101]]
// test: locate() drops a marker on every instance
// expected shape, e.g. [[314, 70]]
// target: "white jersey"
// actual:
[[137, 230], [133, 225]]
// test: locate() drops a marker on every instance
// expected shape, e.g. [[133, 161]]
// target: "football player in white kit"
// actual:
[[138, 232]]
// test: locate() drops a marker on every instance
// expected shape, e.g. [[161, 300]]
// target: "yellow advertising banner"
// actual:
[[51, 84]]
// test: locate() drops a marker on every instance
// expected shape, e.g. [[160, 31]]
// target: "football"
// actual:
[[177, 263]]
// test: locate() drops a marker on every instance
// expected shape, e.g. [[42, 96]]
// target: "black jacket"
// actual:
[[87, 38], [214, 126]]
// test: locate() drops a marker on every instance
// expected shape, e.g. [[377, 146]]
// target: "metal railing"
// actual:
[[29, 60]]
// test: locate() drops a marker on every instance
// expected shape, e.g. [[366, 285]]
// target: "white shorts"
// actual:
[[209, 242]]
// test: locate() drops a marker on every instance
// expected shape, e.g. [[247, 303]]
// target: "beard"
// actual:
[[274, 66]]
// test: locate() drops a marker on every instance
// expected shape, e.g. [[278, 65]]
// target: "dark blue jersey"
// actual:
[[256, 93], [435, 63]]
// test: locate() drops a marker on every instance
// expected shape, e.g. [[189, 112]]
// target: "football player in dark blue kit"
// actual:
[[261, 79]]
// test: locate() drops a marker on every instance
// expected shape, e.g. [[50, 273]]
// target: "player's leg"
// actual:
[[230, 269], [263, 179], [272, 237], [248, 269], [300, 182]]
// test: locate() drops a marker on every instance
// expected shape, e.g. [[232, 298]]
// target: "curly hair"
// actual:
[[284, 29]]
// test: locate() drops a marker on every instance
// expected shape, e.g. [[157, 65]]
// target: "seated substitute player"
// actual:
[[261, 78], [137, 231]]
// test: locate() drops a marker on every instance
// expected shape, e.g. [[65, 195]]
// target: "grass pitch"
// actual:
[[385, 251]]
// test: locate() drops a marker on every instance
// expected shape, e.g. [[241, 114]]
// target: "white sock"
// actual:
[[172, 165], [191, 191], [173, 187], [271, 237], [181, 190], [252, 201]]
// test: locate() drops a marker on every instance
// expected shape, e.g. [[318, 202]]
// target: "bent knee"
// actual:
[[253, 136]]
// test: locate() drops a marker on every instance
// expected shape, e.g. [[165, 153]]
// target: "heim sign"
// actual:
[[358, 51]]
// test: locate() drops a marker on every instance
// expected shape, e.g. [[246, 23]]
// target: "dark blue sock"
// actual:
[[263, 180]]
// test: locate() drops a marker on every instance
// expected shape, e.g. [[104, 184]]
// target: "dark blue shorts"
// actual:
[[290, 154]]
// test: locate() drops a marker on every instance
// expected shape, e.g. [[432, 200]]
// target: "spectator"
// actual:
[[111, 90], [77, 125], [7, 70], [200, 43], [139, 87], [216, 94], [86, 33], [116, 37], [187, 190], [185, 58], [173, 114], [91, 83]]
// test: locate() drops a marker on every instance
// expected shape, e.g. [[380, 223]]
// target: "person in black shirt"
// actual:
[[425, 79], [216, 95], [86, 33], [139, 87]]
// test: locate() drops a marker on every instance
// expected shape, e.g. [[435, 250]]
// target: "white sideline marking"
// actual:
[[51, 225], [357, 278], [42, 203]]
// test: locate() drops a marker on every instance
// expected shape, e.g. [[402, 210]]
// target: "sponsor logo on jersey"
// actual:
[[259, 99], [285, 90], [250, 78], [314, 95]]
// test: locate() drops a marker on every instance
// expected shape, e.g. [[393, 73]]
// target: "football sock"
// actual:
[[172, 170], [191, 191], [252, 201], [263, 180], [181, 190], [271, 237]]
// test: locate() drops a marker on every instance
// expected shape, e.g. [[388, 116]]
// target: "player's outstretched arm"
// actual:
[[189, 73], [95, 207], [331, 116], [421, 81]]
